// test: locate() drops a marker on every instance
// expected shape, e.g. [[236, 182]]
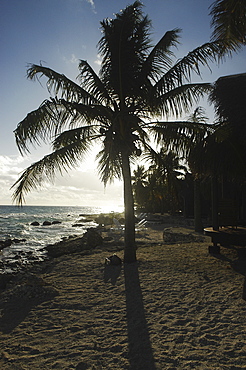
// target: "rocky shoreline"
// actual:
[[177, 307], [22, 260], [25, 260]]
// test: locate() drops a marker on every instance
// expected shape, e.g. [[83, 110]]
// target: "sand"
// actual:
[[176, 308]]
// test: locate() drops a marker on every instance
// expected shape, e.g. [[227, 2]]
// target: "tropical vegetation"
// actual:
[[138, 85]]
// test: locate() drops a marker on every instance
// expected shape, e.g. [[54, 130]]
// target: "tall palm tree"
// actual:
[[136, 82]]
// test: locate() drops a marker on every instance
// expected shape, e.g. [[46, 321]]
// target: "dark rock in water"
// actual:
[[79, 225], [56, 222], [46, 223], [8, 242], [16, 241], [93, 238], [35, 223], [5, 243]]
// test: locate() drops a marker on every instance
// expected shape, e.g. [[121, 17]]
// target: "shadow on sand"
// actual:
[[237, 262], [16, 304], [111, 273], [140, 350]]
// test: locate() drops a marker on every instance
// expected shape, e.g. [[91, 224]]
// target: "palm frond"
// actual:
[[45, 169], [182, 70], [41, 124], [198, 116], [160, 58], [229, 22], [59, 84], [89, 113], [109, 166], [85, 135], [180, 99], [92, 83], [124, 47], [180, 136]]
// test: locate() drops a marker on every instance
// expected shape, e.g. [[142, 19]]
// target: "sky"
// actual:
[[57, 33]]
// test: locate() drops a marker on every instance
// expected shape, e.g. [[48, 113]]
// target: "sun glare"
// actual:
[[112, 208]]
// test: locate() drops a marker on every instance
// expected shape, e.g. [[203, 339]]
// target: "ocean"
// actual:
[[15, 223]]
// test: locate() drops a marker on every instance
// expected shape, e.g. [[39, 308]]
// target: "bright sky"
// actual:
[[58, 33]]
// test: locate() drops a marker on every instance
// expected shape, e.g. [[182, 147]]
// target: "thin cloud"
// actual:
[[73, 59], [91, 2], [80, 187], [98, 61]]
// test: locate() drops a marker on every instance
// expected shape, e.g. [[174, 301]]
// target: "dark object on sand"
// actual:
[[113, 260]]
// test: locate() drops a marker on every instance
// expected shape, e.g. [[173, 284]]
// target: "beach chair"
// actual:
[[117, 231], [141, 224], [117, 226]]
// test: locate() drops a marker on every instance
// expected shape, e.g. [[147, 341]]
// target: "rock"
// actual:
[[90, 239], [68, 246], [56, 222], [35, 223], [113, 260], [16, 241], [8, 242], [108, 238], [46, 223], [79, 225], [172, 236], [5, 243], [93, 238]]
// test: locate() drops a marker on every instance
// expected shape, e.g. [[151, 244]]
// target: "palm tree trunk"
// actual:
[[130, 246], [197, 206]]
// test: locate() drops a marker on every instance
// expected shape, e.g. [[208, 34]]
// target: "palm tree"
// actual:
[[197, 116], [167, 171], [229, 22], [139, 183], [136, 82]]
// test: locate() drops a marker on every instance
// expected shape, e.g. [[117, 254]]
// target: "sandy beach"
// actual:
[[176, 308]]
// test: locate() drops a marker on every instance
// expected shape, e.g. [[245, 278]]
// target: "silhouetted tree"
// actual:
[[137, 83]]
